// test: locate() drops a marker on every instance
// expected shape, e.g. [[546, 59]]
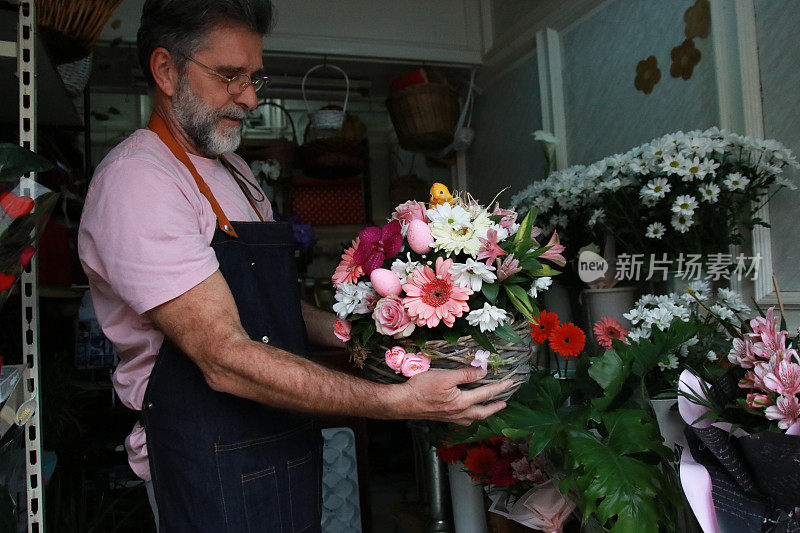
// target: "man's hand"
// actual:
[[434, 395]]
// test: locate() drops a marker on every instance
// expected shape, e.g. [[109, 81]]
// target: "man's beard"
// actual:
[[199, 121]]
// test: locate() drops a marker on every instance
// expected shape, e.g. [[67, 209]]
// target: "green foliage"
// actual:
[[15, 161]]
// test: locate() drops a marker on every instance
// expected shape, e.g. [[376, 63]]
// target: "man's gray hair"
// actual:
[[181, 26]]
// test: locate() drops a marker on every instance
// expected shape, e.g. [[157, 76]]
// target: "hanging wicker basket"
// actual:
[[517, 357], [424, 116], [70, 29], [282, 150], [343, 154]]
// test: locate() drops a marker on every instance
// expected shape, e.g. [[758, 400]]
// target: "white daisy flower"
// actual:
[[733, 300], [671, 364], [659, 187], [655, 230], [460, 240], [487, 318], [684, 205], [711, 356], [661, 317], [540, 285], [709, 167], [453, 216], [736, 182], [682, 222], [673, 164], [472, 274], [701, 289], [694, 170], [634, 315], [709, 192]]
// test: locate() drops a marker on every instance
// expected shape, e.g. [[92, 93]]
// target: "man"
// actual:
[[204, 312]]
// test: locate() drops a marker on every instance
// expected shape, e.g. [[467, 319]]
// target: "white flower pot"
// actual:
[[469, 515]]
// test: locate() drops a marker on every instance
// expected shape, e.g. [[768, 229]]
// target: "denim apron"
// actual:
[[219, 462]]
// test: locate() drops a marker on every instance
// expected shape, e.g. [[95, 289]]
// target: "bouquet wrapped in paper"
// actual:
[[447, 284], [25, 207]]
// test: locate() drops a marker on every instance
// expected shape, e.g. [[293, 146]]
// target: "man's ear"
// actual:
[[164, 70]]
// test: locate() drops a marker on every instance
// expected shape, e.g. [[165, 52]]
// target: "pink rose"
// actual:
[[341, 328], [391, 318], [414, 364], [411, 210], [395, 357]]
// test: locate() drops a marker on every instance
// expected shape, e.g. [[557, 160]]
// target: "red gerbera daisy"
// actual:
[[545, 325], [451, 454], [478, 462], [567, 339]]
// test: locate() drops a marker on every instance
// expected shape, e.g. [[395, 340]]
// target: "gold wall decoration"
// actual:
[[647, 74], [684, 58], [698, 20]]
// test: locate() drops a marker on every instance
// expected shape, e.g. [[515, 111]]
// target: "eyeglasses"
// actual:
[[236, 84]]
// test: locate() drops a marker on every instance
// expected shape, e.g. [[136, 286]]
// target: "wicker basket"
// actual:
[[424, 116], [448, 356], [282, 150], [342, 155]]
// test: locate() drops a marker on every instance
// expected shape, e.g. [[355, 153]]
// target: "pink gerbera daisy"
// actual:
[[432, 298], [348, 270], [607, 329]]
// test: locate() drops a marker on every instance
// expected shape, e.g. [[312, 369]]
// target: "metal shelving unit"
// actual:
[[23, 51]]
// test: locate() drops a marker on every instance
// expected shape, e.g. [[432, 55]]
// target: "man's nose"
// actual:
[[247, 98]]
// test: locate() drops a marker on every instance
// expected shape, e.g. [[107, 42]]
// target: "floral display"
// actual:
[[445, 270], [25, 207], [688, 192]]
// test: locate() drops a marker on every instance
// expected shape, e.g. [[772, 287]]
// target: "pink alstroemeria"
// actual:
[[481, 359], [554, 250], [489, 249], [785, 411], [507, 268], [742, 353], [509, 217], [768, 338], [786, 381], [378, 244], [758, 401]]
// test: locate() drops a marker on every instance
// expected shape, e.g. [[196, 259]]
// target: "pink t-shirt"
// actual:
[[145, 239]]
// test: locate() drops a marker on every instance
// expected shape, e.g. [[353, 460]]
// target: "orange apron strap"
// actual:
[[158, 126]]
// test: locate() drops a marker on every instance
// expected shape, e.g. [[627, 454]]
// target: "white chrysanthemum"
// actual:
[[672, 362], [682, 222], [451, 216], [460, 240], [694, 170], [472, 274], [712, 356], [661, 318], [684, 205], [403, 269], [366, 295], [487, 318], [721, 311], [348, 297], [540, 285], [673, 164], [597, 216], [733, 300], [659, 187], [701, 289], [502, 233], [655, 230], [709, 192], [634, 315], [700, 146], [709, 167]]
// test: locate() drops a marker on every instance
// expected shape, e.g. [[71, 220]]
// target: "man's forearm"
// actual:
[[269, 375], [319, 325]]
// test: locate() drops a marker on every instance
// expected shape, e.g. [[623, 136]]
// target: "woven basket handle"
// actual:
[[334, 67], [286, 112]]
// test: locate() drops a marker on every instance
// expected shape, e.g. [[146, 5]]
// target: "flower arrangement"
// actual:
[[24, 210], [518, 485], [687, 192], [449, 271]]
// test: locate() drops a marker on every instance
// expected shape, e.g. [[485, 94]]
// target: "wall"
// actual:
[[504, 153], [606, 114]]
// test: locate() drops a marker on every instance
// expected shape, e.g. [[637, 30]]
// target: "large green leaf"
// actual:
[[507, 333], [490, 290], [524, 232], [521, 301], [610, 371], [451, 336], [16, 161], [482, 339]]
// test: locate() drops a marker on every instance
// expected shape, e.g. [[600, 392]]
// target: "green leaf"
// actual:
[[524, 232], [451, 336], [490, 290], [15, 161], [521, 301], [507, 333], [369, 331], [610, 372], [546, 270], [481, 338]]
